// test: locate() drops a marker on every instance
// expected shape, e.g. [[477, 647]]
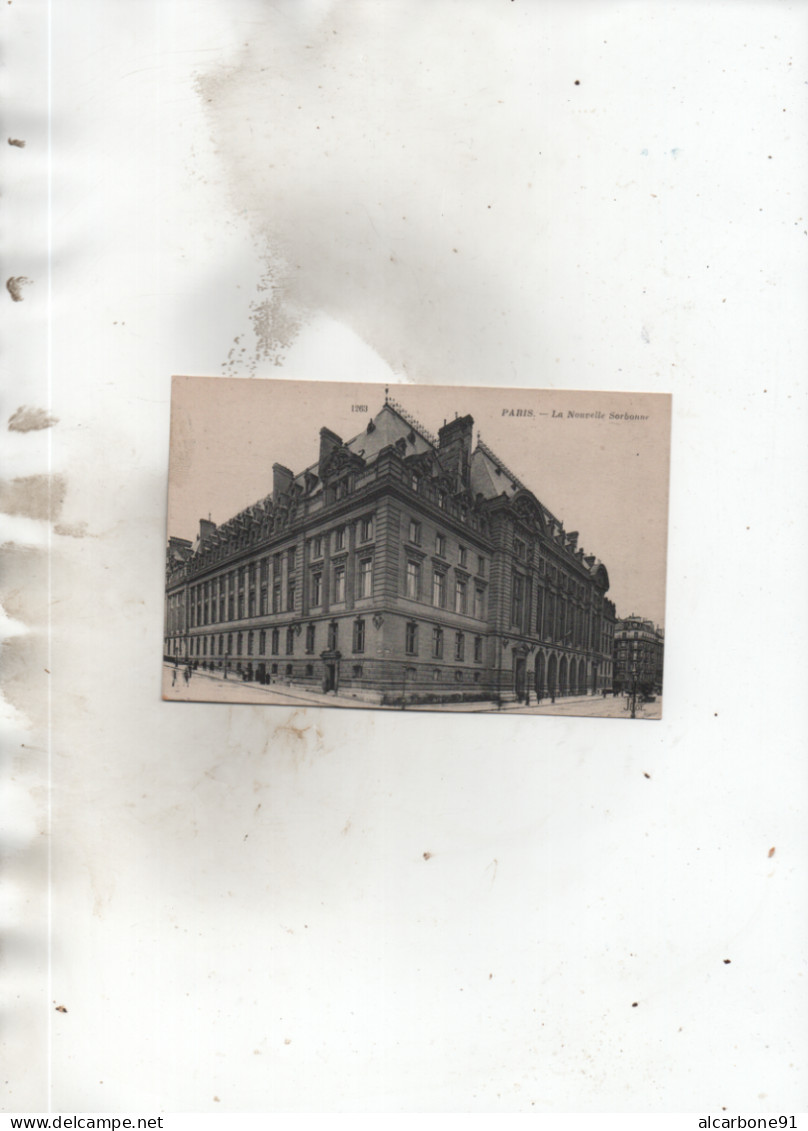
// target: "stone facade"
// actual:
[[639, 655], [399, 565]]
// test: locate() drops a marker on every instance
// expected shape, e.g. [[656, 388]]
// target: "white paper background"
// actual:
[[233, 904]]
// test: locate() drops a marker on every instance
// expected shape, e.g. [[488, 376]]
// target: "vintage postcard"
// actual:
[[416, 548]]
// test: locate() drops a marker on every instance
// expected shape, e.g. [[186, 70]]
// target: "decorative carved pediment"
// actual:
[[528, 510], [339, 460]]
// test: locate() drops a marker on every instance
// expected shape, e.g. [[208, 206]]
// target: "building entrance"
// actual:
[[519, 677], [330, 670], [540, 675]]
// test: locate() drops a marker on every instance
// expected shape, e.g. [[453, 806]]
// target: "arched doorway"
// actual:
[[562, 676], [519, 673], [552, 676], [541, 686]]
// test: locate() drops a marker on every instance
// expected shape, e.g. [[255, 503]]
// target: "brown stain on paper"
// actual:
[[18, 141], [73, 530], [34, 496], [27, 419], [289, 728], [14, 285]]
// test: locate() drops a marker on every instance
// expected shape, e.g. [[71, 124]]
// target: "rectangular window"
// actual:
[[440, 545], [413, 580], [262, 642], [264, 570], [479, 602], [518, 598], [478, 649], [415, 532], [317, 547], [437, 642], [359, 636], [481, 565], [276, 597], [250, 642], [251, 605], [316, 589], [519, 549], [310, 631], [460, 646], [264, 602], [276, 641], [339, 584], [339, 538], [290, 642], [461, 555], [439, 589], [412, 639], [333, 635], [241, 606], [290, 595], [366, 529], [460, 595], [366, 577]]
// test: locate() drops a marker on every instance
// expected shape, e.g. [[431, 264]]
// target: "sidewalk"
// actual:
[[212, 687], [236, 690]]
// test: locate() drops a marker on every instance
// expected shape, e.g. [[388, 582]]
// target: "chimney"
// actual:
[[454, 448], [572, 540], [206, 528], [328, 442], [281, 480]]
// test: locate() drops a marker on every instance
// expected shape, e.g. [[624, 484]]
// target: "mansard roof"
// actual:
[[489, 478]]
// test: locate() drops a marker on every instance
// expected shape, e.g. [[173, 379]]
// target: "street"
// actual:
[[207, 687]]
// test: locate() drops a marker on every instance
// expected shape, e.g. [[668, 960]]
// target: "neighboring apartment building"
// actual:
[[398, 565], [639, 654]]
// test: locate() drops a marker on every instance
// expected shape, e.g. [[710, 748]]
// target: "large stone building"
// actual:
[[398, 565], [639, 655]]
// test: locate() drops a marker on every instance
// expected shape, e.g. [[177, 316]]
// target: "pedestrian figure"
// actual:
[[174, 678], [187, 676]]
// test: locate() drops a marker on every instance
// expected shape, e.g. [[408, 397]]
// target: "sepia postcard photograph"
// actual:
[[416, 547]]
